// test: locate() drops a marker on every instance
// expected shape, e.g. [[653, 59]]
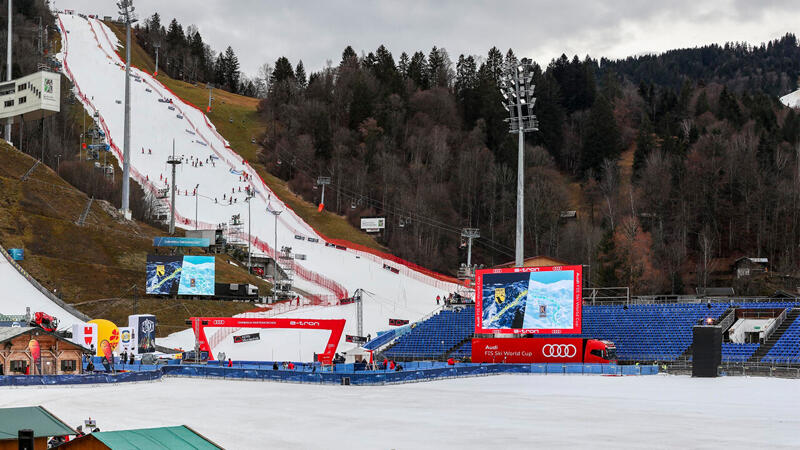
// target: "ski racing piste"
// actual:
[[331, 270], [18, 291]]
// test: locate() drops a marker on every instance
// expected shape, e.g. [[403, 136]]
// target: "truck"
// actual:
[[543, 350]]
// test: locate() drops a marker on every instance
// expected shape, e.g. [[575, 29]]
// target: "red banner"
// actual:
[[326, 357], [527, 350]]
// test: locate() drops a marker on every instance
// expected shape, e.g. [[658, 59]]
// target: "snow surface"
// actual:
[[16, 292], [792, 100], [507, 411], [89, 59]]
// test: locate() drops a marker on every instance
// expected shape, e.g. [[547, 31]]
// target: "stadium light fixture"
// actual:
[[517, 92]]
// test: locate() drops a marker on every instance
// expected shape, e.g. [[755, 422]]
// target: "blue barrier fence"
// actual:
[[93, 378], [421, 372]]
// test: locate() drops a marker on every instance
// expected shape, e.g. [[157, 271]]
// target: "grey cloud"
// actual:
[[315, 31]]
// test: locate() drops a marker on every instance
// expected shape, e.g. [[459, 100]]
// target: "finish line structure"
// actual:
[[336, 327]]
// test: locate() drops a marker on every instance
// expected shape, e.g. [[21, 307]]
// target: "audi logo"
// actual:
[[559, 350]]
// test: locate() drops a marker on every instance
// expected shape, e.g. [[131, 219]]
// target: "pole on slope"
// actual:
[[156, 45], [249, 237], [173, 161], [275, 265], [126, 10], [210, 88], [9, 121], [195, 208]]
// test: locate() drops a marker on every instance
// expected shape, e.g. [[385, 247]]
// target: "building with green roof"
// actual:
[[171, 438], [43, 423]]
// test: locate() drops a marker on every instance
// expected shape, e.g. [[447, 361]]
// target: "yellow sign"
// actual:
[[160, 270], [499, 295], [108, 331]]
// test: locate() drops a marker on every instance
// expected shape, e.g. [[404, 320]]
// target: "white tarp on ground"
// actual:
[[502, 412], [88, 54]]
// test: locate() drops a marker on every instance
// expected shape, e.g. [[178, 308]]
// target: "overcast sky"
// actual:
[[315, 31]]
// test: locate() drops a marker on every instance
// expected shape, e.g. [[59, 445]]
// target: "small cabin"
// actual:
[[748, 267], [57, 355]]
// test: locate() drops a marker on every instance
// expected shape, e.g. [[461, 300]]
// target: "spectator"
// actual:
[[451, 362], [230, 363], [123, 357], [275, 366], [132, 359], [90, 366], [438, 299], [391, 365], [291, 365]]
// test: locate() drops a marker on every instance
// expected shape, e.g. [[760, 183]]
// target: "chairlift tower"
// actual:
[[322, 181], [470, 234], [156, 45], [173, 161], [516, 86]]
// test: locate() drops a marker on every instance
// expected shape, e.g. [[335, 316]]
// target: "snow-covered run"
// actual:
[[18, 293], [792, 100], [502, 412], [217, 173]]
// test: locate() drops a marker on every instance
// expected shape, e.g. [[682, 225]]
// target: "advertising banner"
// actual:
[[373, 224], [247, 338], [146, 334], [85, 334], [527, 350], [170, 241], [398, 322], [125, 339], [355, 339], [180, 275], [17, 254], [529, 300]]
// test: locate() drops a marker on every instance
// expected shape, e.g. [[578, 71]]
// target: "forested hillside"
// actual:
[[676, 163]]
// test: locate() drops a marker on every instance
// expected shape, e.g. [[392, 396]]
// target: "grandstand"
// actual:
[[652, 332]]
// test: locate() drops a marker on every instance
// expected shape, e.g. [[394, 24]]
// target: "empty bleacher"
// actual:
[[732, 352], [787, 348], [433, 338], [661, 332]]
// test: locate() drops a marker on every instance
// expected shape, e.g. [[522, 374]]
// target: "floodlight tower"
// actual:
[[127, 16], [275, 213], [516, 86], [156, 45], [173, 161], [9, 121]]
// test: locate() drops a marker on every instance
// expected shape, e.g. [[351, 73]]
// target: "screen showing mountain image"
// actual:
[[181, 275], [529, 300]]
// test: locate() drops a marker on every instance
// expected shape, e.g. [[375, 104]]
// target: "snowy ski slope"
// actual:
[[792, 99], [17, 293], [329, 271]]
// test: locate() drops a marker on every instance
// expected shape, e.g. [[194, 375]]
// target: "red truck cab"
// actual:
[[599, 352]]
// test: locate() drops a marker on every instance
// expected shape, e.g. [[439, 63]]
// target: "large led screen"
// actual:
[[181, 275], [528, 300]]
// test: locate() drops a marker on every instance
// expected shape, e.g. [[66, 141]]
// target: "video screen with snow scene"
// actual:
[[181, 275], [529, 300]]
